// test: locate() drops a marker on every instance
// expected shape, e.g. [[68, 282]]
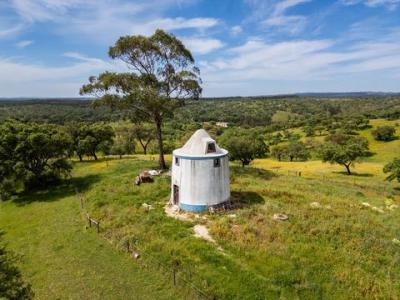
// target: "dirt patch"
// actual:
[[201, 231], [173, 211]]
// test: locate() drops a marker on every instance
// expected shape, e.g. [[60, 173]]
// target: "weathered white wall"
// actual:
[[200, 183]]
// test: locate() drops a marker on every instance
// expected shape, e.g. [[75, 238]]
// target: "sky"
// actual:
[[49, 48]]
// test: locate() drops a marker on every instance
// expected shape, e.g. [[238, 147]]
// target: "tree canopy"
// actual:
[[294, 150], [31, 155], [88, 139], [384, 133], [162, 74], [344, 149], [244, 145], [393, 168]]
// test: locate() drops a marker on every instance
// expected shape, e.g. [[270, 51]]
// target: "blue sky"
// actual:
[[48, 48]]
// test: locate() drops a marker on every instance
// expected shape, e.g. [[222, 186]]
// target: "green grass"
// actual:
[[63, 260], [384, 151], [282, 116], [340, 250]]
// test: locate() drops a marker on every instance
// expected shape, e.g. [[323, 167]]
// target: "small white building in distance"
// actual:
[[222, 124], [200, 174]]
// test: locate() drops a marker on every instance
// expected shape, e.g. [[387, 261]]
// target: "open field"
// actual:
[[383, 152], [337, 243], [63, 260], [339, 249]]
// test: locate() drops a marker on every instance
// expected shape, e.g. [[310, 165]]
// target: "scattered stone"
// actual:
[[328, 207], [201, 231], [315, 205], [232, 216], [147, 206], [137, 180], [280, 217], [153, 172], [392, 207], [378, 209], [366, 204]]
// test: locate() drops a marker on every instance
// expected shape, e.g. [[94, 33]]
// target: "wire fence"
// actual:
[[182, 278]]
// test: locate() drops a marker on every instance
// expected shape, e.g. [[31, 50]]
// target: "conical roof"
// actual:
[[198, 145]]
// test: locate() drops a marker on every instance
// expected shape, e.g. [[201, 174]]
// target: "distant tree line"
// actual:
[[350, 113]]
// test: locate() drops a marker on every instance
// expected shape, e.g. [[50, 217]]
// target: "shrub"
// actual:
[[384, 133]]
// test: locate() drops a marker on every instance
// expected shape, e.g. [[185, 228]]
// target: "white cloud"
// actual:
[[41, 80], [176, 24], [44, 10], [389, 4], [24, 44], [14, 71], [302, 60], [182, 23], [202, 45], [274, 14], [106, 20], [235, 30], [11, 30]]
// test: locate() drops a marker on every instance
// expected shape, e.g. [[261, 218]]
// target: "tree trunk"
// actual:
[[145, 150], [160, 145], [80, 157], [348, 169], [94, 155]]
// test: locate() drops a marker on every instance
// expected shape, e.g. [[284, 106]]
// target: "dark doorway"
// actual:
[[176, 194]]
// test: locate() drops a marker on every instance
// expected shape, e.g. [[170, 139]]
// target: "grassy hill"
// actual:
[[336, 244], [63, 260]]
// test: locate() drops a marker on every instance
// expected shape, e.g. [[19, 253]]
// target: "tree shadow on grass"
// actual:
[[252, 172], [354, 174], [242, 199], [55, 192]]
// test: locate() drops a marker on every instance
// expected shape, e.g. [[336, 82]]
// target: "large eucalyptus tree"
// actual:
[[161, 75]]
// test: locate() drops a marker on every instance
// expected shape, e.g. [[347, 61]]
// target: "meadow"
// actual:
[[338, 242]]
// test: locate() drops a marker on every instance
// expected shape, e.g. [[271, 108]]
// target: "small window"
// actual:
[[210, 148], [176, 161], [217, 163]]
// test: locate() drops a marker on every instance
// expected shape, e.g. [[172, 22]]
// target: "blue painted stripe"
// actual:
[[199, 207], [193, 208], [200, 157]]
